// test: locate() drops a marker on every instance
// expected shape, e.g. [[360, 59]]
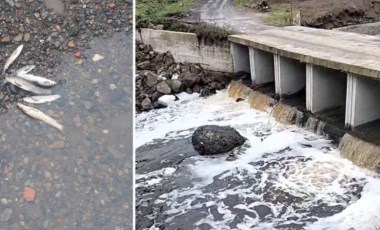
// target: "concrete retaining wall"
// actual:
[[185, 47]]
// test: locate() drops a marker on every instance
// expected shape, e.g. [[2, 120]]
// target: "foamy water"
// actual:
[[283, 176]]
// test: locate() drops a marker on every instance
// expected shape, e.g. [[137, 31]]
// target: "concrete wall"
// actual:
[[185, 47]]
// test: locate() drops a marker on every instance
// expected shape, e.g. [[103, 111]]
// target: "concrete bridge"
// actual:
[[336, 68]]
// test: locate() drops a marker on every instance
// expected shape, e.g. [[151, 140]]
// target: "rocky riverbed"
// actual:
[[80, 178], [158, 74]]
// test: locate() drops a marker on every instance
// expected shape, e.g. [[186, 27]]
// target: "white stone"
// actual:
[[166, 100], [175, 76], [112, 86], [161, 78], [97, 57]]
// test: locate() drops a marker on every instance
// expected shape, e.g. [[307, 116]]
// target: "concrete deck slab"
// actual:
[[342, 35], [354, 53]]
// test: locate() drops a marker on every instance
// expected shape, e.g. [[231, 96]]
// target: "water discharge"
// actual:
[[284, 177]]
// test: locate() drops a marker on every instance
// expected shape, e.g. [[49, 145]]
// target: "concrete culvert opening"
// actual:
[[240, 55], [363, 96], [262, 71], [326, 93], [290, 80], [257, 67]]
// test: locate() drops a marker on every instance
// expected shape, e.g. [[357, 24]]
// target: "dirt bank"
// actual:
[[338, 13], [237, 16], [331, 13]]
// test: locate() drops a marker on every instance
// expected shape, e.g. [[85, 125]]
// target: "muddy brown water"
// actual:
[[83, 175]]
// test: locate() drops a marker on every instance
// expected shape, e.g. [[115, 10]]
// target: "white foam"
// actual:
[[154, 177], [363, 214], [321, 177], [187, 97]]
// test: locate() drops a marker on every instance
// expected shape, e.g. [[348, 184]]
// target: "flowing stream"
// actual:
[[283, 177]]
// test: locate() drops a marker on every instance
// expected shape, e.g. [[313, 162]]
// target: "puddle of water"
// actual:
[[82, 175], [57, 5], [284, 177]]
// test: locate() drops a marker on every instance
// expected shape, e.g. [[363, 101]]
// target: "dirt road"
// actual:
[[223, 13]]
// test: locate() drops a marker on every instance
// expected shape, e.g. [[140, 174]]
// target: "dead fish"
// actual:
[[13, 57], [26, 85], [39, 115], [41, 99], [25, 69], [37, 79]]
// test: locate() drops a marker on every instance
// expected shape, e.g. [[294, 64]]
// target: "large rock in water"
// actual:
[[213, 139]]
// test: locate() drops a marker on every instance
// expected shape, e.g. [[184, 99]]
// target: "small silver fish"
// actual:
[[37, 79], [39, 115], [26, 85], [41, 99], [25, 69], [13, 57]]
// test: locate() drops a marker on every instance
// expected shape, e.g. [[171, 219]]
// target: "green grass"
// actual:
[[209, 34], [152, 10], [164, 12], [245, 2], [281, 15]]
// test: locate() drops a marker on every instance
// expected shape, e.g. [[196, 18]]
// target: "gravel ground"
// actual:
[[82, 176], [47, 34]]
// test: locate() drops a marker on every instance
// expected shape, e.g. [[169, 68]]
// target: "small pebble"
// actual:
[[58, 194], [71, 44], [18, 38], [112, 86], [27, 37], [77, 54], [4, 201]]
